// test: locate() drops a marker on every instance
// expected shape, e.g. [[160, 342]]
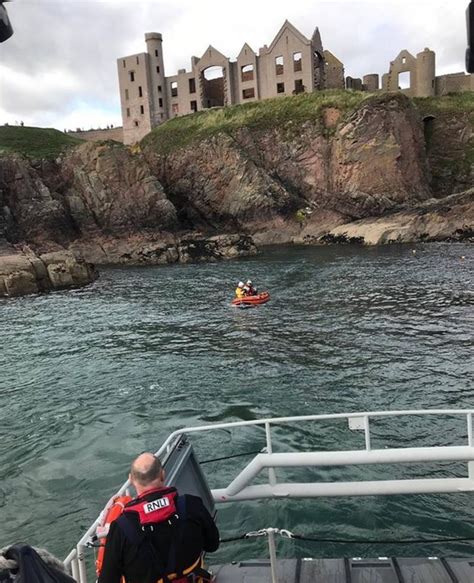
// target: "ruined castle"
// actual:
[[291, 64]]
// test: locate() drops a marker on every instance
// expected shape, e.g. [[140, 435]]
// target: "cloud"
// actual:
[[61, 62]]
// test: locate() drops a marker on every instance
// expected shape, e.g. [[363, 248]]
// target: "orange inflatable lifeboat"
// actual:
[[252, 300], [109, 515]]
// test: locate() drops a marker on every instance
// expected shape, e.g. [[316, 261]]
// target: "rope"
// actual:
[[406, 541], [287, 534], [228, 457]]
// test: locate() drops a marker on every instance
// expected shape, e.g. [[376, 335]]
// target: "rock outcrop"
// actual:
[[448, 219], [24, 272], [161, 249]]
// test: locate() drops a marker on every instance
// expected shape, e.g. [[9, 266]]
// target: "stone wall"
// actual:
[[115, 134]]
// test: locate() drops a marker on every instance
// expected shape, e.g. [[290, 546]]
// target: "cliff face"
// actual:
[[363, 164], [106, 188], [292, 169]]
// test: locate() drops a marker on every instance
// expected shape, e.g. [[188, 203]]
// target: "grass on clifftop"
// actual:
[[451, 103], [35, 142], [280, 112]]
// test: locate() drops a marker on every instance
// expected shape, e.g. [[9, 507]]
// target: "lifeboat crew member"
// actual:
[[240, 290], [250, 290], [160, 536]]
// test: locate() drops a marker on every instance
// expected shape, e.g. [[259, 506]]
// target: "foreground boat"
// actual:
[[184, 472], [262, 298]]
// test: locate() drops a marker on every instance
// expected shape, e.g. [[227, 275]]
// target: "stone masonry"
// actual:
[[291, 64]]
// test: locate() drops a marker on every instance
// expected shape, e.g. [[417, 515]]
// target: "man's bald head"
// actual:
[[146, 472]]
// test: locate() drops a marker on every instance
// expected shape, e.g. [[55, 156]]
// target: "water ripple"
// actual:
[[89, 377]]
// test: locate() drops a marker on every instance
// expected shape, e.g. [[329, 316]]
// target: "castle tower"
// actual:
[[158, 93], [425, 73]]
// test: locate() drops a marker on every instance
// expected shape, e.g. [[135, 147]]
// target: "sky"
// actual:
[[59, 68]]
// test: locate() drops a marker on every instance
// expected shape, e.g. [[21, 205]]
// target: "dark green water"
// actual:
[[91, 377]]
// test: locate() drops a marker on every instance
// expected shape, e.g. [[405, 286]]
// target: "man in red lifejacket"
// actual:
[[160, 536]]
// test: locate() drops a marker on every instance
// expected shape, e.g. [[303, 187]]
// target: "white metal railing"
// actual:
[[240, 489]]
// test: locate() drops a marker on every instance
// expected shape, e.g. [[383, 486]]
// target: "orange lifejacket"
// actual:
[[103, 528]]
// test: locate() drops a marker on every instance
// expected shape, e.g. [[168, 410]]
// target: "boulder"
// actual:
[[23, 272]]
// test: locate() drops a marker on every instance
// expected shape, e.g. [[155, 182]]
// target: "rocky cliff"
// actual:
[[310, 168]]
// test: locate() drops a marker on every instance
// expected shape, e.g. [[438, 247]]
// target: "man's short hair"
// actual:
[[148, 476]]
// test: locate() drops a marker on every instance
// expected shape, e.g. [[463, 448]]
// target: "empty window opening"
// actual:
[[279, 65], [297, 65], [280, 88], [404, 80], [299, 87], [160, 102], [140, 91], [126, 94], [156, 52], [404, 60], [136, 123], [123, 62], [174, 89], [175, 109], [248, 93], [212, 80], [138, 62], [131, 74], [157, 69], [246, 73], [192, 85], [142, 109], [194, 106], [128, 112], [159, 88]]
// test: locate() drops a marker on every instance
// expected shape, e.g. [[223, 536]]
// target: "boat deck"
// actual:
[[380, 570]]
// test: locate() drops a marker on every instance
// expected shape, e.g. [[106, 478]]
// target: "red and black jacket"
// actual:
[[158, 534]]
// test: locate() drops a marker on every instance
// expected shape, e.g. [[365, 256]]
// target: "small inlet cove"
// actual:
[[91, 377]]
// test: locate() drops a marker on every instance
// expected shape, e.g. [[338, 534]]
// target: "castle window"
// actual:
[[280, 88], [175, 109], [142, 109], [136, 123], [299, 87], [192, 85], [156, 52], [297, 62], [194, 106], [404, 80], [246, 73], [279, 65], [174, 89], [131, 74], [248, 93], [123, 62], [128, 112], [138, 62], [157, 69], [160, 102], [126, 94], [404, 60], [159, 88], [140, 91]]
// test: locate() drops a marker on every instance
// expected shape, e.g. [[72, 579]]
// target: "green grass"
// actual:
[[285, 113], [35, 142], [451, 103]]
